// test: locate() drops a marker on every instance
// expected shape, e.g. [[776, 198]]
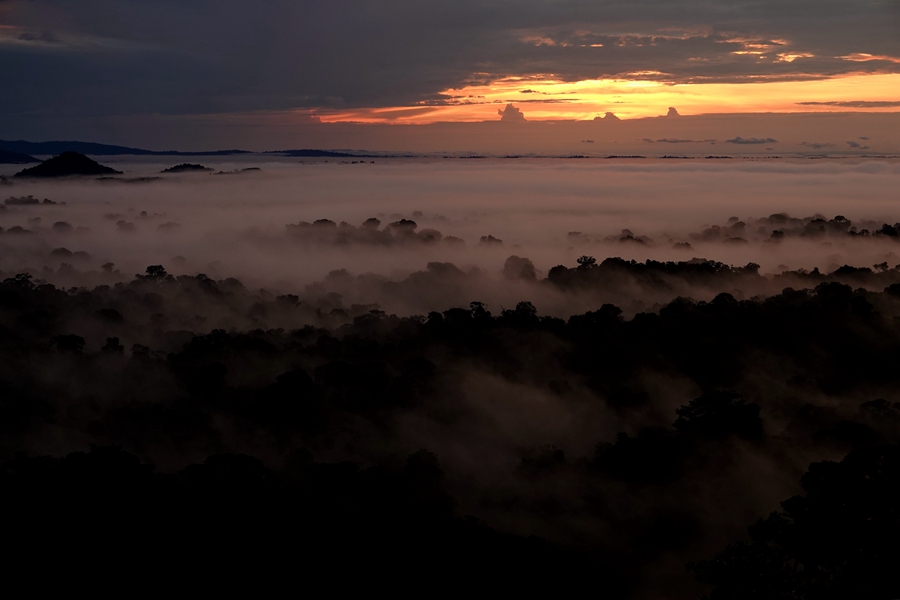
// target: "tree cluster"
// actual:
[[403, 231]]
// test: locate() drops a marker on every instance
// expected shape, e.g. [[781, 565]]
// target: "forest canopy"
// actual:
[[359, 420]]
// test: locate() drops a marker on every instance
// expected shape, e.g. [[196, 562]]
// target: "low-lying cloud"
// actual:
[[751, 140], [854, 103]]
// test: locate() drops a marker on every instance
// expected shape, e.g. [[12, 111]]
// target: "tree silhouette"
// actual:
[[837, 541], [719, 415], [69, 343], [156, 272], [586, 262]]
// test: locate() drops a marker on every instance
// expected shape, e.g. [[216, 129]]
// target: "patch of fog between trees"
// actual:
[[469, 218], [487, 428]]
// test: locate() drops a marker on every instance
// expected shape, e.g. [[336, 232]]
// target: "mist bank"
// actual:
[[412, 236]]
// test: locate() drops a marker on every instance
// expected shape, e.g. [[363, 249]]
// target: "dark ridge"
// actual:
[[27, 200], [16, 158], [60, 147], [67, 164], [186, 168]]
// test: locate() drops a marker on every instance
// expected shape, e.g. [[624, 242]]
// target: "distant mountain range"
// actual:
[[16, 158], [56, 148], [25, 149], [310, 153]]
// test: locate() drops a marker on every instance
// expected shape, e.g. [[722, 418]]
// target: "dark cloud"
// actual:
[[42, 36], [129, 56], [677, 141], [752, 140], [857, 146], [817, 145]]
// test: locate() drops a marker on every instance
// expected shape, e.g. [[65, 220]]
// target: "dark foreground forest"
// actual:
[[733, 448]]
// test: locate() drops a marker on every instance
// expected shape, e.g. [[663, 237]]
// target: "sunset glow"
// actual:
[[550, 99]]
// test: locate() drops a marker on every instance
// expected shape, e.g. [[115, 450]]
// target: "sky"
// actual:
[[182, 72]]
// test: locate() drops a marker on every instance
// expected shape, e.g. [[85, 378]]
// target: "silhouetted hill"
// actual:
[[59, 147], [186, 168], [66, 164], [16, 158]]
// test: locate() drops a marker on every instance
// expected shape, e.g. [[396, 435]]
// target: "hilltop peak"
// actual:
[[67, 164]]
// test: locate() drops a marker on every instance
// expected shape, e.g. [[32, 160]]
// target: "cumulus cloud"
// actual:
[[673, 112], [511, 114]]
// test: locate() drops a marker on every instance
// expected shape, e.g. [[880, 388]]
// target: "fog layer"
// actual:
[[471, 213]]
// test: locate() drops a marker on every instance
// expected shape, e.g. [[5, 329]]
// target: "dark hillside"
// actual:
[[16, 158], [95, 149], [68, 164]]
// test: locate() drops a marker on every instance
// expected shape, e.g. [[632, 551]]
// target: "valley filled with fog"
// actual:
[[608, 368]]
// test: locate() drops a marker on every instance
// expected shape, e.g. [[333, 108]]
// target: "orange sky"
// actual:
[[549, 99]]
